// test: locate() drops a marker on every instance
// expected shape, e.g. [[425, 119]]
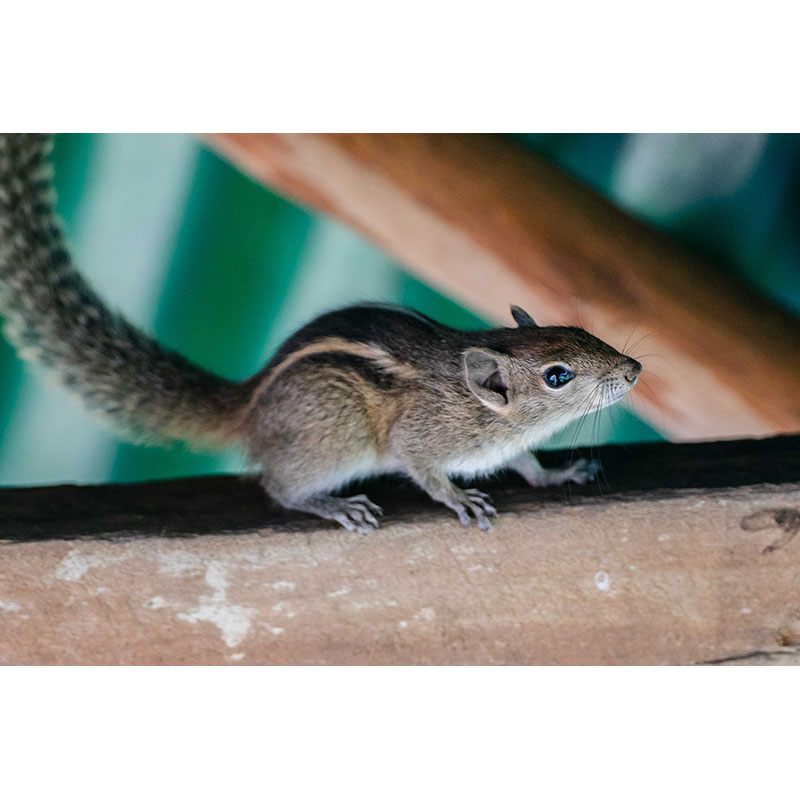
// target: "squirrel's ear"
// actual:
[[522, 318], [487, 376]]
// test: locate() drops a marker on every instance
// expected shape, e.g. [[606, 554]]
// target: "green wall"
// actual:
[[221, 269]]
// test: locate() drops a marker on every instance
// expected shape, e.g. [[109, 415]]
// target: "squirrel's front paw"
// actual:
[[582, 471]]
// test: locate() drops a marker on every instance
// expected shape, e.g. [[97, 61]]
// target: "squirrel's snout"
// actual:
[[632, 368]]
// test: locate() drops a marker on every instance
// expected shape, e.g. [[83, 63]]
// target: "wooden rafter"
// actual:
[[490, 223]]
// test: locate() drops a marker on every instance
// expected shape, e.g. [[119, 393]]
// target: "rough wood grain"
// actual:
[[491, 223], [687, 555]]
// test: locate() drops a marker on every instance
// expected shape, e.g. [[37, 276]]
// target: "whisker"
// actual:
[[592, 404], [587, 405], [650, 393], [643, 356], [654, 376], [627, 401], [642, 339], [595, 438], [634, 405], [638, 319]]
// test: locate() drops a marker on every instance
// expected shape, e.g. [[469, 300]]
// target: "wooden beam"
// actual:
[[690, 556], [489, 223]]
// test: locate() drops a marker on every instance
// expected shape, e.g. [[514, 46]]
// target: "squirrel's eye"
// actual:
[[557, 376]]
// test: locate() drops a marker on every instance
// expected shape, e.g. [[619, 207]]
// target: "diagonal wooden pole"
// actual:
[[490, 223]]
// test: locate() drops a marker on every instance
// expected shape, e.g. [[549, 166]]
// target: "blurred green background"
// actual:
[[222, 270]]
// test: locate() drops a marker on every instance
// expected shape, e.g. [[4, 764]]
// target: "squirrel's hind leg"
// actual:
[[313, 431], [357, 513], [300, 479]]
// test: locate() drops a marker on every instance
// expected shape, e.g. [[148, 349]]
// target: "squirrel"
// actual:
[[357, 392]]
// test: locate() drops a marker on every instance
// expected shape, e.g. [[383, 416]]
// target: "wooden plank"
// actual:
[[683, 554], [490, 223]]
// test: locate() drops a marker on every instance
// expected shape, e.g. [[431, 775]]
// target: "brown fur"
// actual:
[[314, 426]]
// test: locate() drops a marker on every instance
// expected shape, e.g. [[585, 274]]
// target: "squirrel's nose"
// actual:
[[632, 369]]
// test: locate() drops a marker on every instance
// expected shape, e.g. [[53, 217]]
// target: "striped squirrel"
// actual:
[[365, 390]]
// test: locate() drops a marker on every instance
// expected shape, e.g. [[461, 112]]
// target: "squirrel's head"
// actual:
[[547, 374]]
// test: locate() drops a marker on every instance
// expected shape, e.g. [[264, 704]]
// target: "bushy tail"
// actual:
[[55, 319]]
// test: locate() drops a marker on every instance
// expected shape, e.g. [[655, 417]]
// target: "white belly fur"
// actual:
[[367, 466], [497, 454], [481, 461]]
